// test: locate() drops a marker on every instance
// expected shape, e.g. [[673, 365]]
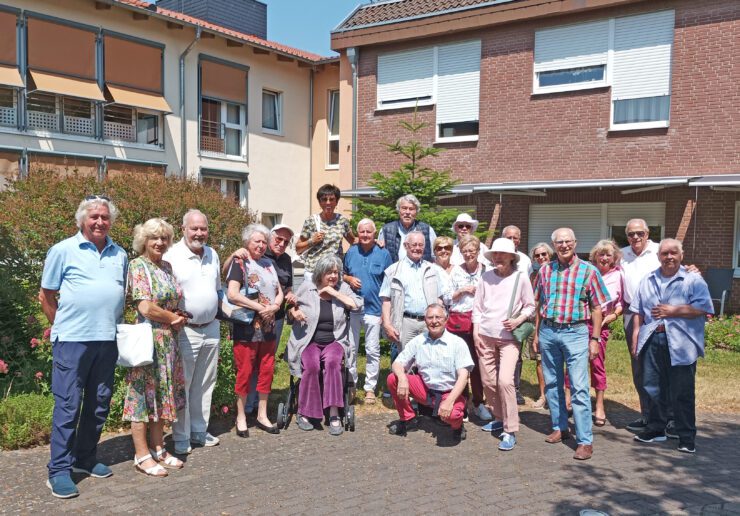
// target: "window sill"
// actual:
[[331, 167], [662, 124], [81, 139], [456, 139], [547, 90], [272, 132], [222, 157], [403, 105]]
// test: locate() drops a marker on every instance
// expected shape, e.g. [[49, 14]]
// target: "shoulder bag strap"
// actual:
[[513, 294]]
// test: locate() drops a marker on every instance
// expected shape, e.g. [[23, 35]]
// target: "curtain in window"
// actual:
[[269, 111], [647, 109]]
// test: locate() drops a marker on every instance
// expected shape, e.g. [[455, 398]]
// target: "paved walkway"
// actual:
[[372, 472]]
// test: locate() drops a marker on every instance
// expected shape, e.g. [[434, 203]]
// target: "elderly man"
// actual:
[[443, 364], [409, 286], [670, 307], [280, 237], [466, 225], [197, 270], [82, 296], [524, 265], [393, 234], [569, 292], [364, 266]]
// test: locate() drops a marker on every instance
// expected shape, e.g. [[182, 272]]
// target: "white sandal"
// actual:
[[168, 462], [154, 471]]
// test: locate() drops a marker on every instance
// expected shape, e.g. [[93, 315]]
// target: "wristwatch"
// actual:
[[594, 338]]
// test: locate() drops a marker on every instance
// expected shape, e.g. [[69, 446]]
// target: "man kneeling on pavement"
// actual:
[[443, 364]]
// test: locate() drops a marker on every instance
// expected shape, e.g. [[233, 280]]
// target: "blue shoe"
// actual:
[[62, 486], [493, 426], [99, 470], [507, 442]]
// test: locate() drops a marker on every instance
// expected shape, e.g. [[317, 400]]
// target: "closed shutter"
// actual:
[[652, 212], [574, 46], [583, 219], [642, 55], [458, 84], [404, 77]]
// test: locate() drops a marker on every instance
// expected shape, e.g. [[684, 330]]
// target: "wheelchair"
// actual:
[[289, 408]]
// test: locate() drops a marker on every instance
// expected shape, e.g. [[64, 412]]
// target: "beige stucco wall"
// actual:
[[279, 167]]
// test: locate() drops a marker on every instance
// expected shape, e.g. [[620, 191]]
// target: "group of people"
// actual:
[[459, 317]]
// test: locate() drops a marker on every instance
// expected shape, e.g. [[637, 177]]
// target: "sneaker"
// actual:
[[482, 413], [99, 470], [460, 434], [493, 426], [670, 430], [62, 486], [519, 398], [638, 425], [182, 448], [686, 447], [651, 436], [466, 416], [507, 442], [204, 439]]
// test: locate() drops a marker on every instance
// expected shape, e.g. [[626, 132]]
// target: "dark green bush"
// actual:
[[723, 333], [25, 420]]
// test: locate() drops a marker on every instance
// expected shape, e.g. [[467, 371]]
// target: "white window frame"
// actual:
[[270, 220], [329, 136], [608, 80], [242, 126], [225, 189], [278, 112], [736, 242]]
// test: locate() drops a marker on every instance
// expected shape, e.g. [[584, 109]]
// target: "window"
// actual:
[[272, 112], [271, 220], [8, 106], [230, 188], [147, 128], [223, 116], [406, 79], [129, 124], [42, 111], [632, 54], [333, 129]]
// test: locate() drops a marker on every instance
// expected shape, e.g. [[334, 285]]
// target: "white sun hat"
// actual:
[[464, 217], [502, 245]]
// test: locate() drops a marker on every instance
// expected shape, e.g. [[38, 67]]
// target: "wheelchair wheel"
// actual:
[[351, 418], [280, 419]]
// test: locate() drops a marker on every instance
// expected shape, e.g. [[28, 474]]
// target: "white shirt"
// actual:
[[637, 267], [457, 257], [200, 280], [525, 264], [437, 359]]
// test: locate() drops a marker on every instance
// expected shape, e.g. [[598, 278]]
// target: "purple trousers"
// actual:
[[311, 401]]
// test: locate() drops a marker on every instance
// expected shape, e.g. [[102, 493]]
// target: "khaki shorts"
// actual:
[[528, 352]]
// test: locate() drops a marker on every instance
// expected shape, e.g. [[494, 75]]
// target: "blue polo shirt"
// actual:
[[369, 268], [685, 336], [91, 288]]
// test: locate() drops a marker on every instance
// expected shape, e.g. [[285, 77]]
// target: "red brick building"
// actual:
[[580, 113]]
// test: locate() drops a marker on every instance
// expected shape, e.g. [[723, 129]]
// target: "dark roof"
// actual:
[[399, 10]]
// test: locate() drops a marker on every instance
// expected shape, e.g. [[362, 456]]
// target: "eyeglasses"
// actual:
[[327, 198], [97, 196], [443, 248], [542, 255], [564, 242], [415, 246], [638, 234], [464, 226]]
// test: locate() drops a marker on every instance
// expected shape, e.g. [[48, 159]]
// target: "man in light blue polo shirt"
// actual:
[[670, 306], [82, 295]]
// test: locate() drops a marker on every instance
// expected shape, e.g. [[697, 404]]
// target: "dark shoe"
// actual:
[[401, 427], [583, 452], [303, 423], [519, 398], [670, 430], [638, 425], [460, 434], [62, 486], [243, 433], [272, 429], [651, 436], [686, 447], [99, 470], [557, 436]]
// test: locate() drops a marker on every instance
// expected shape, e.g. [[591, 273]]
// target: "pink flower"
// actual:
[[35, 342], [3, 367], [225, 410], [39, 375], [47, 333]]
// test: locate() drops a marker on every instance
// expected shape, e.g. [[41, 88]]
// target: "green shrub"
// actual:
[[617, 328], [723, 333], [25, 420]]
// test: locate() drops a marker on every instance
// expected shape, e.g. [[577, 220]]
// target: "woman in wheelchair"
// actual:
[[320, 335]]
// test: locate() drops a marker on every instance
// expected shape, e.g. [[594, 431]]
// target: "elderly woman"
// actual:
[[541, 254], [321, 335], [442, 248], [464, 279], [155, 392], [255, 343], [503, 301], [322, 233]]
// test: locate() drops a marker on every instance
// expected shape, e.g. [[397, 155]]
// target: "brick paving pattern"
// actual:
[[372, 472]]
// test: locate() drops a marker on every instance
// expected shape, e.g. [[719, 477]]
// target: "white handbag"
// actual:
[[135, 341]]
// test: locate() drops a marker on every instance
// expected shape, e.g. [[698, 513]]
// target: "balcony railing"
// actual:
[[118, 131], [8, 116], [212, 137]]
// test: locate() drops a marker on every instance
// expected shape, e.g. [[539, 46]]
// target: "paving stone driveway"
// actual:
[[372, 472]]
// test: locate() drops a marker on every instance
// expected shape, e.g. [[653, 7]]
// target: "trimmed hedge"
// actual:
[[25, 420]]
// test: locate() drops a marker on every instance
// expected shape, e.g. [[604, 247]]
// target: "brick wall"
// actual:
[[565, 135]]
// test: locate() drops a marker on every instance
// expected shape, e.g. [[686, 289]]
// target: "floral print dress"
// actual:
[[156, 391]]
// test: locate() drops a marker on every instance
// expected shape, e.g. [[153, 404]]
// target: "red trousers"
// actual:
[[249, 356], [419, 392]]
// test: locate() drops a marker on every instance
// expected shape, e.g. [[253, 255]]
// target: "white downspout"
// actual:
[[183, 124]]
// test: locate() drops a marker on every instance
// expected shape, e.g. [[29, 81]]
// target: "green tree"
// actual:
[[412, 177]]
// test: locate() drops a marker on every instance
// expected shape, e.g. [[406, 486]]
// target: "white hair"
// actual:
[[366, 222], [191, 212], [671, 241], [507, 228], [88, 204], [408, 198], [251, 229], [555, 233], [415, 232], [637, 221]]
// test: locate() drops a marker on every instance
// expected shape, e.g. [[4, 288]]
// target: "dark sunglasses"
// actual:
[[97, 196], [539, 255], [638, 234], [443, 248], [464, 226]]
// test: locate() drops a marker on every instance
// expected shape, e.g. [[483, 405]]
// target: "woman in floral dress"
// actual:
[[155, 392]]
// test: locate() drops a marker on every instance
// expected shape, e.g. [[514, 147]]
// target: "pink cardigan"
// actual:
[[492, 299]]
